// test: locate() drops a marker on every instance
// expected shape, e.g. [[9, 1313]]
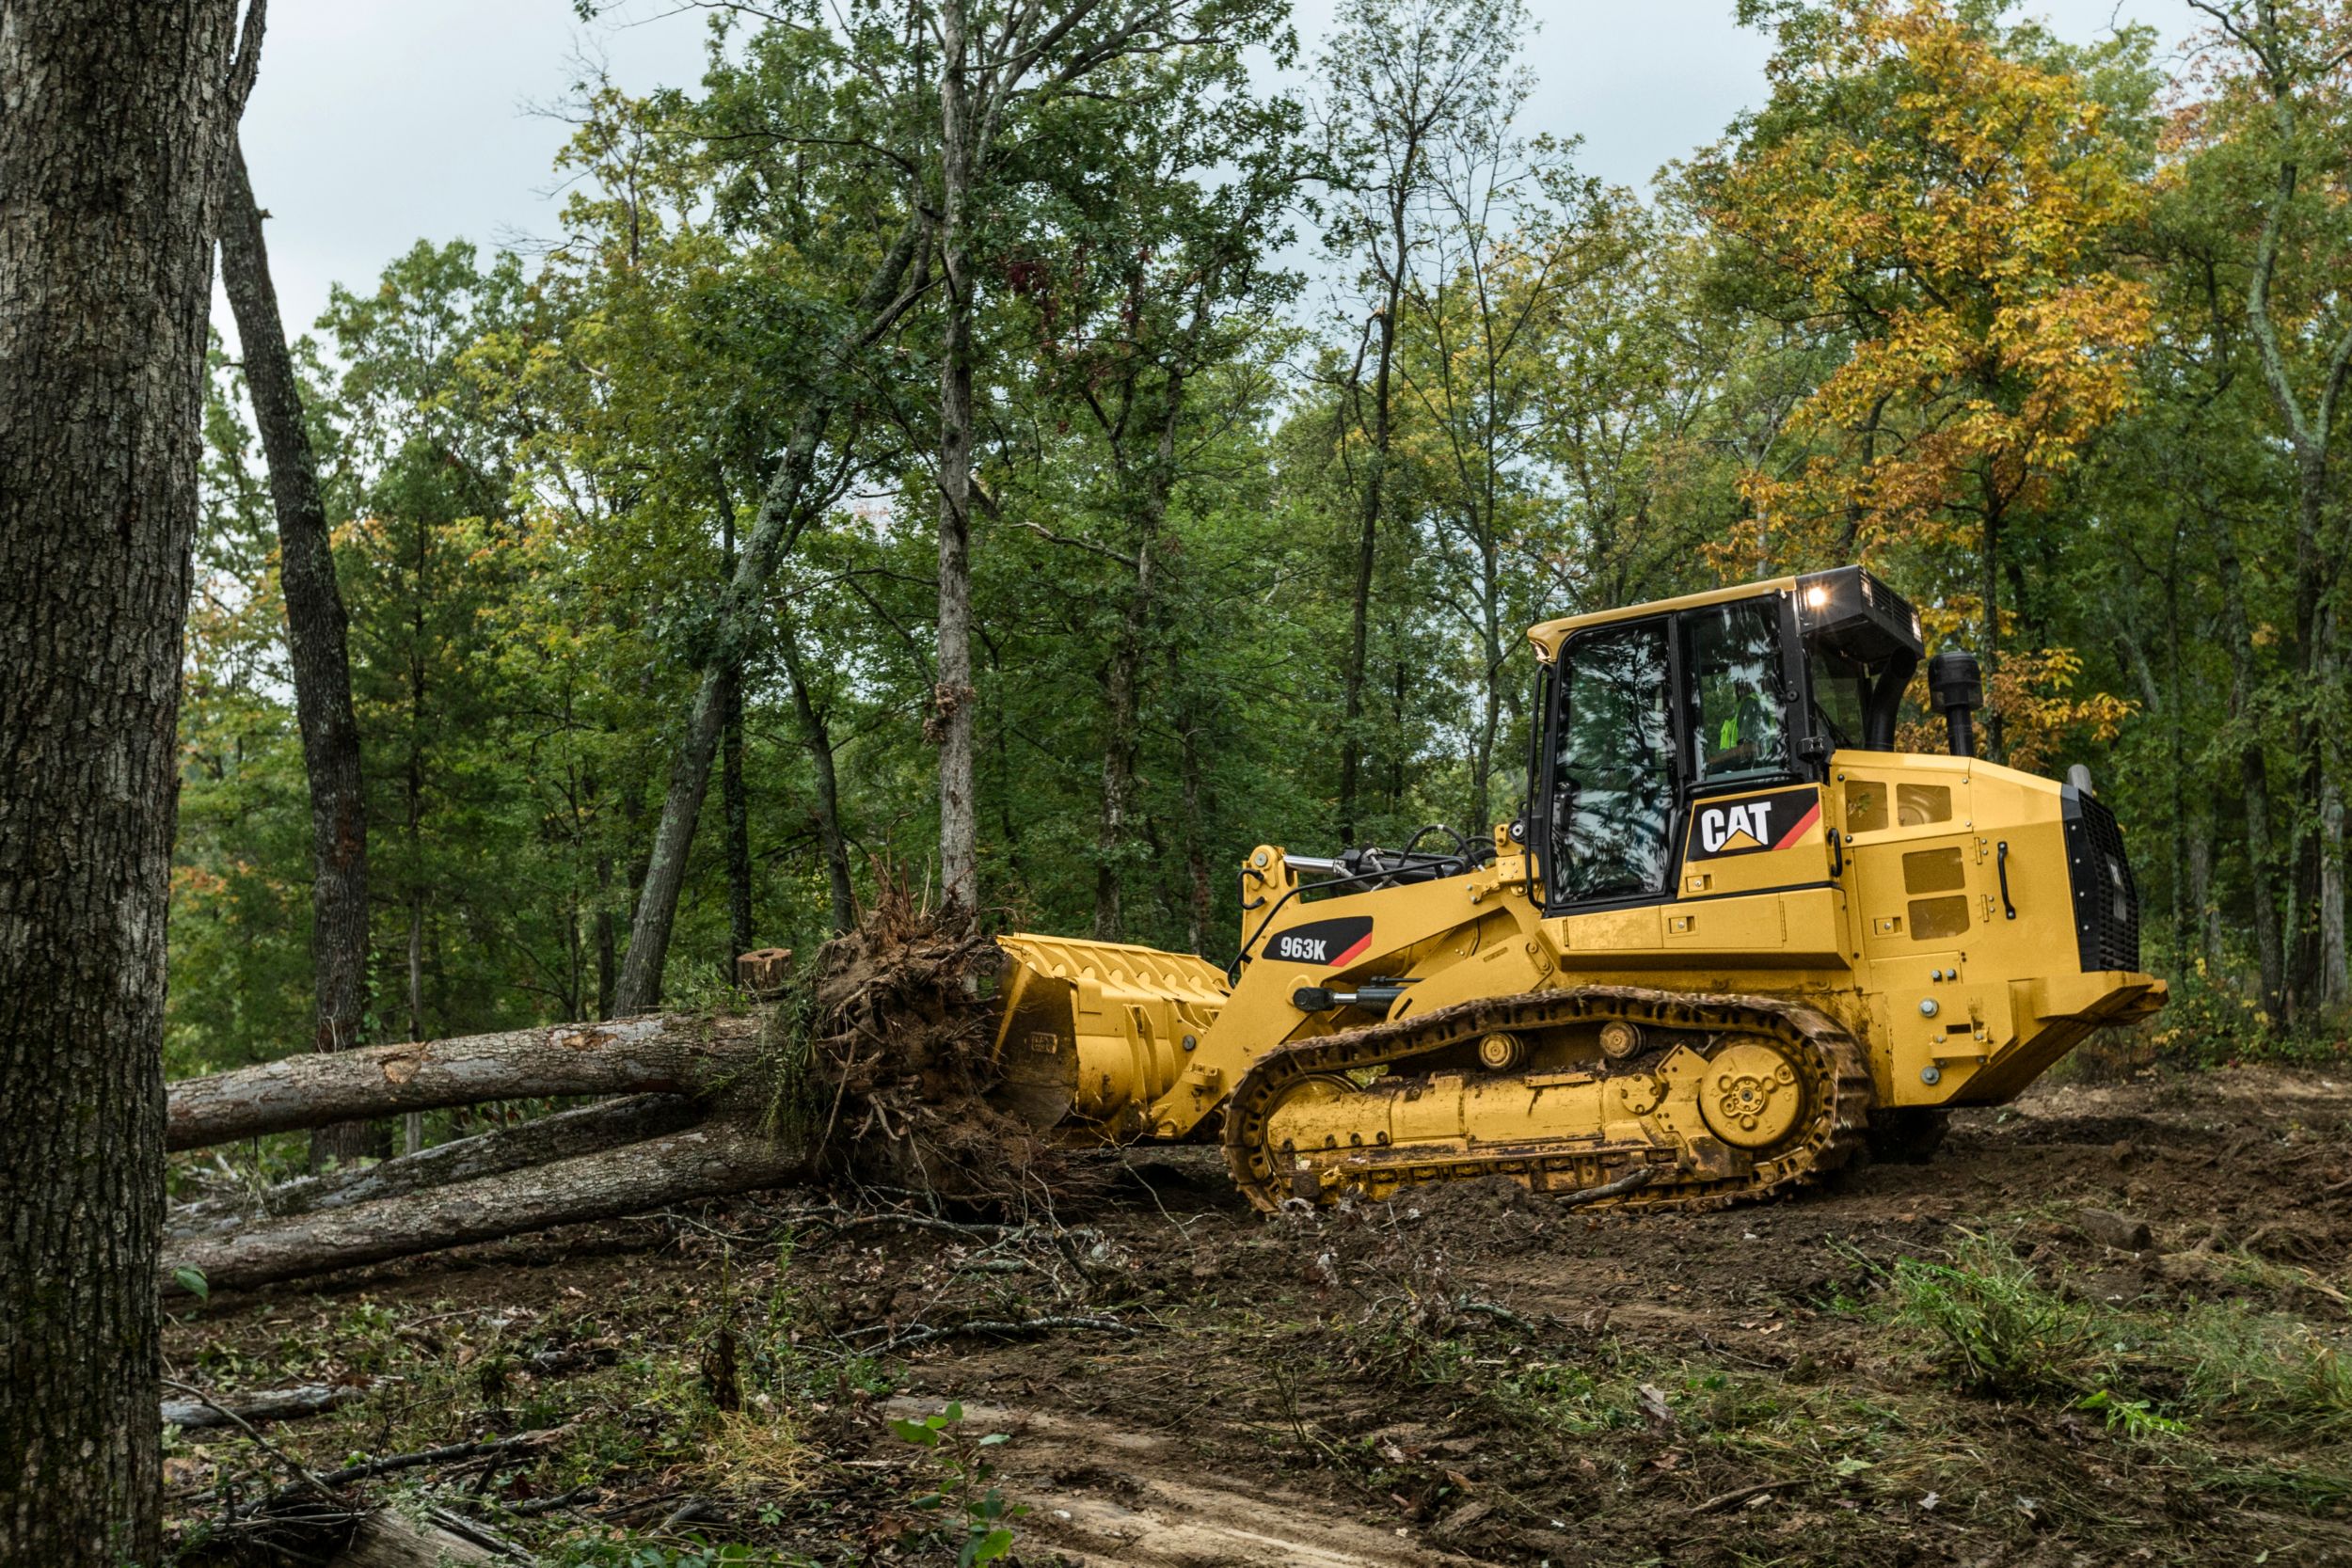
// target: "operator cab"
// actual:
[[1651, 710]]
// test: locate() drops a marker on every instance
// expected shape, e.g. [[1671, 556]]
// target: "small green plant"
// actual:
[[2131, 1417], [965, 1492], [1993, 1325], [632, 1551]]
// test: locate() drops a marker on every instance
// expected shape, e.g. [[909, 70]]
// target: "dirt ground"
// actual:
[[1973, 1360]]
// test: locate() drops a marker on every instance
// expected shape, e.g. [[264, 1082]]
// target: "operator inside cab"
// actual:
[[1735, 655]]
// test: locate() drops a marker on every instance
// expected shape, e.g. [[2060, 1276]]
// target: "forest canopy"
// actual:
[[1282, 415]]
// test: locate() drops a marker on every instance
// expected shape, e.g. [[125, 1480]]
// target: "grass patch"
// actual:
[[1992, 1324], [2266, 1372]]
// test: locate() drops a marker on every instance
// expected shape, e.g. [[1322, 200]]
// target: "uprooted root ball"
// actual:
[[886, 1057]]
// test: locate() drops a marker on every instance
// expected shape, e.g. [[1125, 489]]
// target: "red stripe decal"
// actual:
[[1354, 953], [1813, 814]]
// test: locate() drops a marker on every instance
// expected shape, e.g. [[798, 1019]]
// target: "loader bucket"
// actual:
[[1093, 1032]]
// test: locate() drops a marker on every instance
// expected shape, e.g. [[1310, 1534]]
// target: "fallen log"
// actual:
[[665, 1052], [385, 1540], [562, 1136], [880, 1059], [709, 1160], [274, 1404]]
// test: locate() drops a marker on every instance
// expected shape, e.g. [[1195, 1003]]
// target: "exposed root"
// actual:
[[902, 1030]]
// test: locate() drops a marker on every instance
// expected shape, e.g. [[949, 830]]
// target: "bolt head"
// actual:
[[1930, 1074], [1928, 1008]]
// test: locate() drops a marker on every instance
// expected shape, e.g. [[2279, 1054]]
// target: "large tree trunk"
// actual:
[[684, 1054], [639, 988], [952, 694], [564, 1135], [116, 128], [706, 1161], [316, 633]]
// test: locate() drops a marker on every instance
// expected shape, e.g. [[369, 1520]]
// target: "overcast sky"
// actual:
[[378, 122]]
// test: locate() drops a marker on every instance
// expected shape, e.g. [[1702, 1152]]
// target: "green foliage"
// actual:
[[974, 1508], [635, 1551], [1990, 1323], [2267, 1371]]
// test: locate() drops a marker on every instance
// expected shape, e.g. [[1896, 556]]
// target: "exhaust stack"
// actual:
[[1958, 690]]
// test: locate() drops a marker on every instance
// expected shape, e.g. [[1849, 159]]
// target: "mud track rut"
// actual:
[[1172, 1510]]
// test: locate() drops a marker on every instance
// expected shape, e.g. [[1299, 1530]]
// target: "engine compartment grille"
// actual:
[[2107, 900]]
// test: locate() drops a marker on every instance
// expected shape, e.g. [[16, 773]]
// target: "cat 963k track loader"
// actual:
[[1735, 937]]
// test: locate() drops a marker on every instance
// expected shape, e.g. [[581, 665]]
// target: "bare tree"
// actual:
[[118, 130]]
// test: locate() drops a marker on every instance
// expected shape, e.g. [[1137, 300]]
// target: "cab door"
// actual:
[[1754, 805], [1608, 837]]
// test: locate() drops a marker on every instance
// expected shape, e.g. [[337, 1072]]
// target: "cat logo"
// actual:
[[1774, 821]]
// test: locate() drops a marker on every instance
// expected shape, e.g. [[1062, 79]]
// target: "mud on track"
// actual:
[[1469, 1376]]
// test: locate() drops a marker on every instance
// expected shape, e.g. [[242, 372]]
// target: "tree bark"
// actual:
[[117, 126], [737, 807], [818, 732], [706, 1161], [639, 988], [386, 1538], [734, 802], [564, 1135], [1198, 904], [316, 629], [2253, 769], [269, 1405], [1368, 550], [666, 1053], [952, 692]]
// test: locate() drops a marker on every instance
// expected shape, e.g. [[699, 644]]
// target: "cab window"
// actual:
[[1738, 708], [1841, 697], [1612, 769]]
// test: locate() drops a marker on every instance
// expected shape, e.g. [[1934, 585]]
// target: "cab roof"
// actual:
[[1551, 634]]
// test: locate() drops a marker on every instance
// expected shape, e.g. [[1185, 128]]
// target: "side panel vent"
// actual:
[[2107, 900]]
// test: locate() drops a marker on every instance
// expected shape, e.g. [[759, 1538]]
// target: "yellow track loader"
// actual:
[[1735, 937]]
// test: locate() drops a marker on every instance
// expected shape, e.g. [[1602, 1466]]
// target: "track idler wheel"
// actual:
[[1751, 1097]]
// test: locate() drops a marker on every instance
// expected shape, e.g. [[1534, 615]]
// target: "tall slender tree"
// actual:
[[113, 151], [316, 632], [2285, 100], [1401, 79], [1000, 60]]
